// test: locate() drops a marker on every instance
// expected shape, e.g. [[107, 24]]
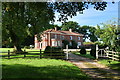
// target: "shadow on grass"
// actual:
[[31, 72], [115, 66]]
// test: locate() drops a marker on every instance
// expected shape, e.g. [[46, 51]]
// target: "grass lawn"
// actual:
[[50, 69], [34, 68], [113, 64], [11, 50], [87, 55]]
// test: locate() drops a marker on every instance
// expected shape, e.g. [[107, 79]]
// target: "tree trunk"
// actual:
[[18, 48]]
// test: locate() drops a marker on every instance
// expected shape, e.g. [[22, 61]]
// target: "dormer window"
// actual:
[[70, 37]]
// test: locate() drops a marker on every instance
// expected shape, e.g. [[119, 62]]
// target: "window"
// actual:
[[55, 36], [59, 43], [53, 43], [70, 43], [70, 37], [79, 43], [78, 38], [63, 37]]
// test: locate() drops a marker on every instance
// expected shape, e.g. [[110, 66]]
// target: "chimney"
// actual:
[[70, 30], [55, 28]]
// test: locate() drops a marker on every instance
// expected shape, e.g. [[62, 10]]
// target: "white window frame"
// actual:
[[55, 36], [79, 43], [70, 37], [53, 43], [70, 43], [78, 38], [63, 37]]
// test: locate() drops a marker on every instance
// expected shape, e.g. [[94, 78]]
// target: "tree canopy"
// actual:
[[108, 34], [21, 19]]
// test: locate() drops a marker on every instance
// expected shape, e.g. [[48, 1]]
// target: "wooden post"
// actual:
[[112, 55], [67, 52], [8, 54], [24, 53], [96, 51], [40, 54]]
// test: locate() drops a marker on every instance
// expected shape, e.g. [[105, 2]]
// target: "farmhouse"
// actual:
[[54, 38]]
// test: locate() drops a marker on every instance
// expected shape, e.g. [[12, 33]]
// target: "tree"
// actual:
[[108, 35], [70, 25], [88, 32], [18, 15]]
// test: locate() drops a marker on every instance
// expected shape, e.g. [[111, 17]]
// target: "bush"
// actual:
[[83, 50], [93, 52], [48, 49], [52, 51]]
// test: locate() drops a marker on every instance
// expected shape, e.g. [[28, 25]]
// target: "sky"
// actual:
[[93, 17]]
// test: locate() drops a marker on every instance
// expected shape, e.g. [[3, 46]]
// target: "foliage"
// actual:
[[70, 25], [88, 32], [53, 50], [83, 50], [48, 49], [88, 43], [21, 19], [65, 42], [17, 16], [93, 52], [74, 44], [107, 34]]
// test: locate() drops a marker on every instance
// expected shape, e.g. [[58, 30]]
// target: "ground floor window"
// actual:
[[79, 43]]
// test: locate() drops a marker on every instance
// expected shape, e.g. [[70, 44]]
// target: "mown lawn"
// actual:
[[36, 68], [49, 69], [113, 64], [87, 55]]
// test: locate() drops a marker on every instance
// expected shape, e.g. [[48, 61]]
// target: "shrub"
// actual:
[[83, 50], [52, 51], [48, 49], [93, 52]]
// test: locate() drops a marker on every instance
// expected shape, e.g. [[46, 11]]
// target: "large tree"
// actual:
[[18, 15]]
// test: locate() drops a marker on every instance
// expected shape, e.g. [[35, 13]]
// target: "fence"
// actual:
[[41, 54], [109, 54]]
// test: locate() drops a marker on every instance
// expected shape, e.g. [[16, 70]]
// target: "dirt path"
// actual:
[[92, 68]]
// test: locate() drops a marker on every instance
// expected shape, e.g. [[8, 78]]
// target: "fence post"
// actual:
[[96, 51], [67, 52], [40, 54], [24, 53], [8, 54]]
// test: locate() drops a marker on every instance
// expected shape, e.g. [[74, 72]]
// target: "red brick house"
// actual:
[[54, 38]]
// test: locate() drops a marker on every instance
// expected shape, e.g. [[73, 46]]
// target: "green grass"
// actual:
[[86, 56], [49, 69], [113, 64], [11, 50]]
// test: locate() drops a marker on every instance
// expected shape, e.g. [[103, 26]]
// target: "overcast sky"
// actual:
[[93, 17]]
